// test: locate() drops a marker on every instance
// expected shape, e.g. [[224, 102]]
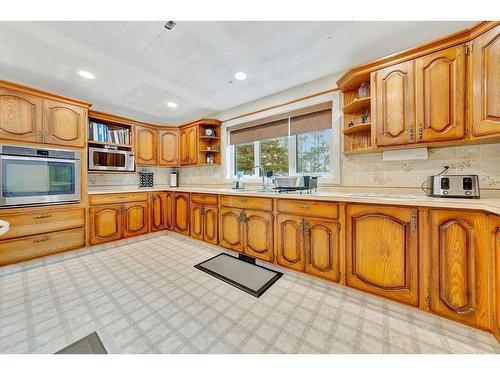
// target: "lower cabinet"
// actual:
[[181, 213], [494, 229], [161, 211], [231, 231], [204, 222], [382, 251], [136, 219], [309, 245], [458, 273]]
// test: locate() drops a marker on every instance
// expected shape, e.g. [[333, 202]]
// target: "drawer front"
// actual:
[[117, 198], [20, 249], [309, 208], [204, 199], [35, 222], [262, 204]]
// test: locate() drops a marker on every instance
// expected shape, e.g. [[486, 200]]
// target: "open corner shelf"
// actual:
[[358, 128], [357, 105]]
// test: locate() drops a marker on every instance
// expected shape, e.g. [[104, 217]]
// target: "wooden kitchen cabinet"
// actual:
[[458, 269], [136, 219], [231, 231], [196, 216], [20, 116], [494, 241], [181, 213], [290, 241], [258, 234], [168, 148], [189, 145], [382, 251], [106, 223], [145, 145], [485, 74], [395, 104], [440, 95], [161, 210], [204, 221], [64, 124]]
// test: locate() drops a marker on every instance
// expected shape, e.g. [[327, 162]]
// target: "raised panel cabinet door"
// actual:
[[181, 213], [136, 219], [145, 145], [20, 116], [230, 229], [106, 223], [440, 95], [169, 210], [159, 211], [395, 104], [290, 242], [486, 84], [321, 241], [259, 235], [64, 124], [197, 212], [183, 147], [494, 228], [192, 143], [168, 147], [210, 225], [382, 251], [458, 279]]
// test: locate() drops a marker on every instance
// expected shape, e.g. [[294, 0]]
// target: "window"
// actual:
[[301, 143]]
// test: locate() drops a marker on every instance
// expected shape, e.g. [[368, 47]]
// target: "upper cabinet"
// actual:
[[189, 145], [199, 143], [30, 116], [145, 145], [485, 74], [168, 148]]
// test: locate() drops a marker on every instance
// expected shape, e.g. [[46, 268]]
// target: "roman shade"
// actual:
[[313, 118]]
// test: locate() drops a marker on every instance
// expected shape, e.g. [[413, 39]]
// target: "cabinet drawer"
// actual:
[[204, 199], [263, 204], [117, 198], [35, 222], [19, 249], [308, 208]]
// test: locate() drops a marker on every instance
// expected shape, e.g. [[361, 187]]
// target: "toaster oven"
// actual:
[[454, 186]]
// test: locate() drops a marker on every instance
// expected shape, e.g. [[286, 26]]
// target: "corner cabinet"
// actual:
[[161, 211], [485, 73], [458, 273], [145, 145], [382, 251]]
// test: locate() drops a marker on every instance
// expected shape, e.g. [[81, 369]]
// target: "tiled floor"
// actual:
[[146, 297]]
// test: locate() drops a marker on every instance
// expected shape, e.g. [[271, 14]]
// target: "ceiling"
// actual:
[[140, 66]]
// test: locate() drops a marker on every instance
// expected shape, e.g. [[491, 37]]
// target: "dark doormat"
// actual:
[[250, 278], [90, 344]]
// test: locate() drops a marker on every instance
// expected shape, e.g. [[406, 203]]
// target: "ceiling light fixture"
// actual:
[[85, 74], [240, 76], [172, 104]]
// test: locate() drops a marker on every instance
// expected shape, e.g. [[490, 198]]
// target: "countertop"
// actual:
[[484, 204]]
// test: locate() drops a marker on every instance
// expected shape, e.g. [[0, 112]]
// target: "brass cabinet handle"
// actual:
[[42, 216], [39, 135], [43, 239], [410, 131], [243, 217], [307, 228], [414, 220], [202, 210], [420, 131], [301, 226], [45, 136], [304, 206]]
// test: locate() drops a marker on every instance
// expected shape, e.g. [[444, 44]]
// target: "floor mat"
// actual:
[[90, 344], [251, 278]]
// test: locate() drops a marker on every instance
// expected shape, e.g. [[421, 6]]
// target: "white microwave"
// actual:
[[107, 159]]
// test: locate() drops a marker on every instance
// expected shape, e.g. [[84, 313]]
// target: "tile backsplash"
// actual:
[[161, 177]]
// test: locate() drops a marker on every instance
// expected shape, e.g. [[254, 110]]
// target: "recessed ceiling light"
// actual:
[[240, 76], [85, 74], [172, 104]]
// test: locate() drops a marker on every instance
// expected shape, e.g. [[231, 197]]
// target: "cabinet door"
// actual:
[[64, 124], [259, 236], [395, 104], [169, 208], [486, 84], [321, 242], [159, 211], [145, 145], [440, 95], [458, 279], [494, 228], [231, 236], [181, 213], [210, 226], [192, 144], [105, 223], [196, 215], [183, 147], [20, 116], [290, 242], [135, 219], [168, 148], [382, 251]]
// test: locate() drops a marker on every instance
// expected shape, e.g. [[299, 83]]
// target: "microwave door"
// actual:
[[110, 160]]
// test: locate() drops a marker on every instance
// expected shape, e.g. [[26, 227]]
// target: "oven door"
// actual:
[[101, 159], [33, 180]]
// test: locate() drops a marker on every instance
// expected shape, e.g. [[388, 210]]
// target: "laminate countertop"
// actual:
[[491, 205]]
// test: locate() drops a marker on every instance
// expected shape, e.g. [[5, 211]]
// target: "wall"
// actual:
[[161, 177]]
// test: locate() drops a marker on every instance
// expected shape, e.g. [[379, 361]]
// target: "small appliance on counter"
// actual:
[[146, 179], [174, 178], [302, 184], [452, 186], [239, 182]]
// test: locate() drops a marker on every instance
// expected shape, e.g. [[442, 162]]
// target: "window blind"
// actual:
[[303, 120]]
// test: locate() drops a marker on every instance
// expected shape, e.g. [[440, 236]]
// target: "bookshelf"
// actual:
[[109, 130]]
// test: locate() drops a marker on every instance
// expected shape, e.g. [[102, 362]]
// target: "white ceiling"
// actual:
[[140, 66]]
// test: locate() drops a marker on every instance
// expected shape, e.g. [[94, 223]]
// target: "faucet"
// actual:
[[262, 171]]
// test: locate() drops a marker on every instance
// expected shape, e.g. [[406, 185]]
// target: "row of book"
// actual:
[[102, 133]]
